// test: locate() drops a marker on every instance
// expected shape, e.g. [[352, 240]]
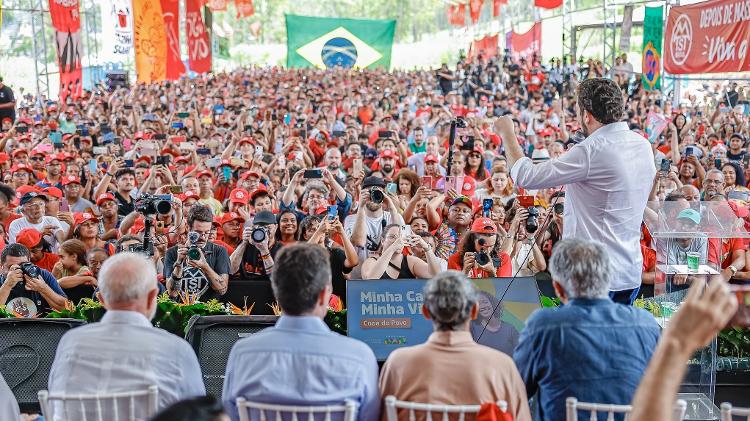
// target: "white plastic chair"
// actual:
[[348, 409], [727, 412], [107, 407], [572, 406], [392, 405]]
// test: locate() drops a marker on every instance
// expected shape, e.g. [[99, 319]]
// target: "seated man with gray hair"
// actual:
[[590, 348], [124, 352], [450, 368]]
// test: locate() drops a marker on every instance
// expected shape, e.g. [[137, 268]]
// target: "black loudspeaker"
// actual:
[[116, 79], [27, 349], [212, 337]]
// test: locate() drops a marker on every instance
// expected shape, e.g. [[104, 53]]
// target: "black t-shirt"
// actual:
[[338, 270], [193, 280], [736, 157], [446, 85], [6, 96], [252, 267], [124, 207], [27, 303]]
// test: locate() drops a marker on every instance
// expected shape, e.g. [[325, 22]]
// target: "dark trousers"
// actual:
[[626, 296]]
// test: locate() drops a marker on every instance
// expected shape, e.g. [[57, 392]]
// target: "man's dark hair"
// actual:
[[674, 196], [602, 98], [124, 171], [14, 250], [7, 193], [300, 272], [200, 213], [204, 408]]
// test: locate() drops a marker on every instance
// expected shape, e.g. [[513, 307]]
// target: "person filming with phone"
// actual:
[[395, 261], [253, 257], [607, 177]]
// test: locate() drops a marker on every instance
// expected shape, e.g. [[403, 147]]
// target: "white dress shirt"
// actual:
[[8, 405], [608, 177], [124, 353]]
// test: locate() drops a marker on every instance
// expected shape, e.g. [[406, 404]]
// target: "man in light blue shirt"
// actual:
[[300, 361], [124, 352]]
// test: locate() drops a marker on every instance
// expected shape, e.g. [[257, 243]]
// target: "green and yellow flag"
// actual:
[[653, 24], [333, 42]]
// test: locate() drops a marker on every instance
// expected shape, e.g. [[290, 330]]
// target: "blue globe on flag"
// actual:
[[339, 52]]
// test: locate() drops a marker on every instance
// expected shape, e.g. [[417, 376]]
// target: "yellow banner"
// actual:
[[150, 41]]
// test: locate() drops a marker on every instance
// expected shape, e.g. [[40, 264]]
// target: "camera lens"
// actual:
[[482, 258], [163, 207], [376, 196], [193, 253], [29, 269], [258, 235], [531, 221]]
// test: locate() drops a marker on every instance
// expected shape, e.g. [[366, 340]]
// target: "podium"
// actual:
[[693, 242]]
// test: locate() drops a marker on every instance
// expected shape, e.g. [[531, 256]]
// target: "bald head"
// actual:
[[127, 281]]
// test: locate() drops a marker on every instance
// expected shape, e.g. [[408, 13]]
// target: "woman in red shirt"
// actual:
[[478, 254]]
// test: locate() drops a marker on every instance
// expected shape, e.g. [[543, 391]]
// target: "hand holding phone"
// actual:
[[316, 173]]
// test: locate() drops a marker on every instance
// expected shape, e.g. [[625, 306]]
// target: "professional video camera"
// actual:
[[151, 204]]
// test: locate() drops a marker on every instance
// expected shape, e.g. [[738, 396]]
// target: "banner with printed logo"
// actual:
[[475, 10], [457, 14], [527, 44], [653, 23], [66, 19], [117, 30], [171, 13], [149, 41], [708, 37], [199, 51]]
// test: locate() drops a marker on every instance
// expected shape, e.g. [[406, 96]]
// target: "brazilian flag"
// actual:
[[333, 42]]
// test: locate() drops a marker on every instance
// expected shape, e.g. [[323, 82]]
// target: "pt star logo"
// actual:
[[339, 48]]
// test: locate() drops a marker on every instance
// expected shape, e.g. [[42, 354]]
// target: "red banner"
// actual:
[[66, 20], [526, 44], [485, 47], [496, 7], [244, 8], [548, 4], [457, 15], [708, 37], [171, 12], [199, 51], [475, 10]]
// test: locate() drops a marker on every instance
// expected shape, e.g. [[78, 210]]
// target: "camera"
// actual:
[[461, 123], [31, 270], [193, 253], [531, 222], [151, 204], [481, 257], [258, 234], [376, 196]]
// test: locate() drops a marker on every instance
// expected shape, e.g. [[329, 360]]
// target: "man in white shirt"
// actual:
[[124, 352], [33, 208], [607, 176]]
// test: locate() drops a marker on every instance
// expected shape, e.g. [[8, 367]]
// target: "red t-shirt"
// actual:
[[47, 262], [723, 255], [456, 262]]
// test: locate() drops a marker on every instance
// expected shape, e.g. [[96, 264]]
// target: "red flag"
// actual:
[[548, 4], [457, 15], [199, 52], [475, 9], [66, 20], [526, 44], [244, 8], [496, 7], [171, 12], [485, 47]]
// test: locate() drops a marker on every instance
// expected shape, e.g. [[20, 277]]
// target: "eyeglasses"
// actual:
[[36, 158], [34, 205]]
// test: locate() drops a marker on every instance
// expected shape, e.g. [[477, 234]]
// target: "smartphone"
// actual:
[[405, 231], [526, 201], [203, 151], [666, 165], [741, 318], [106, 129], [316, 173], [288, 119], [338, 133], [108, 137], [427, 181], [385, 134], [356, 166], [248, 128], [22, 129], [163, 160], [183, 115], [218, 109], [213, 162], [689, 151], [333, 211], [738, 195], [129, 163], [468, 144], [227, 172], [100, 150], [58, 145], [175, 189], [717, 163], [259, 150], [392, 188], [92, 166], [160, 136], [486, 207], [127, 107], [177, 125]]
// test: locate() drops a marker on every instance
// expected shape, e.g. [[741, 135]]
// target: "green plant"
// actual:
[[549, 301], [336, 321], [4, 314], [174, 316]]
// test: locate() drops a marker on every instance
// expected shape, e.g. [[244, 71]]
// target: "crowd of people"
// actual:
[[403, 174]]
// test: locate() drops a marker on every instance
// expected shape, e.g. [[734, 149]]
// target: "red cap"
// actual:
[[67, 136], [35, 152], [70, 179], [21, 167], [247, 174], [185, 159], [53, 191], [80, 218], [26, 189], [29, 237], [469, 186], [189, 195], [52, 124], [388, 153], [170, 151], [239, 196], [105, 197], [247, 139], [431, 158], [258, 191], [19, 151], [483, 226], [232, 216], [226, 163], [204, 173], [144, 158]]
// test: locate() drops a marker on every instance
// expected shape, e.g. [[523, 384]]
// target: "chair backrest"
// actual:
[[572, 406], [727, 412], [304, 413], [392, 405], [124, 406]]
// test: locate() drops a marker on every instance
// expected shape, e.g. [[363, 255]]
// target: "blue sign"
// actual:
[[387, 314]]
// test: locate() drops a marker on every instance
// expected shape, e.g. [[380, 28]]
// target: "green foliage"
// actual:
[[548, 302], [87, 309], [173, 316], [734, 342], [336, 321]]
